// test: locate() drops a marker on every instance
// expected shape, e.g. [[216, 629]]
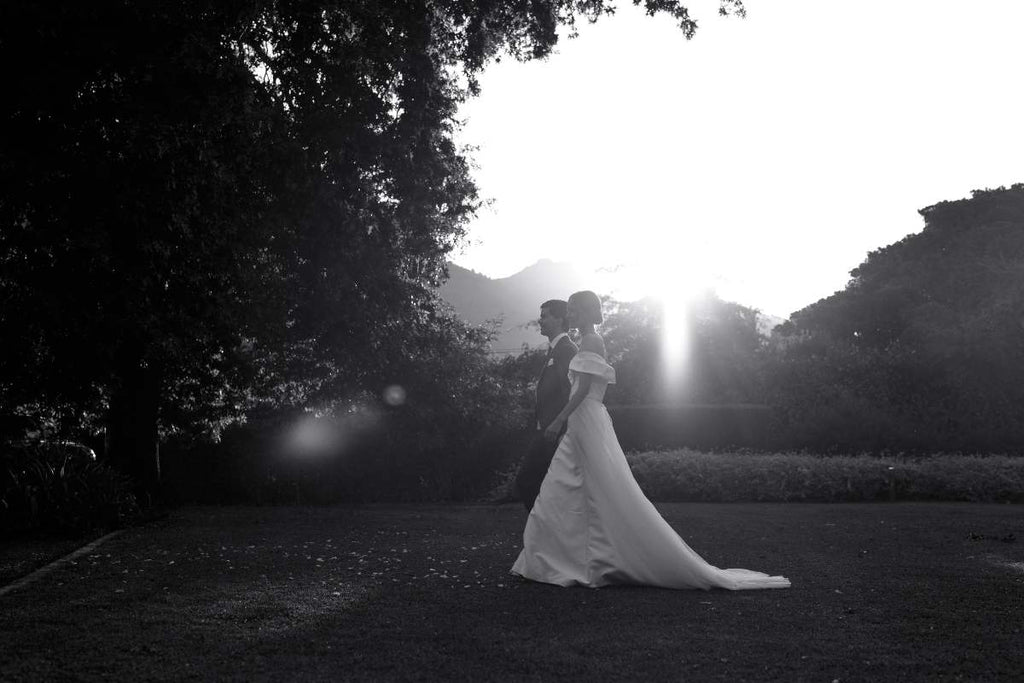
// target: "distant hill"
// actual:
[[516, 300]]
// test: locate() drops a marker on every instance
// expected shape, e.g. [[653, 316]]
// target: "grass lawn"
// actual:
[[21, 556], [890, 591]]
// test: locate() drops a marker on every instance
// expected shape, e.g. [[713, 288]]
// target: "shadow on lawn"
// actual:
[[880, 591]]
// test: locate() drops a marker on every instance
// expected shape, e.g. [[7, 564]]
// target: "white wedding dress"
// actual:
[[591, 525]]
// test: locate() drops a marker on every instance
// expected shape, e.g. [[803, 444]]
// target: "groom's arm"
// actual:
[[582, 389], [563, 355], [553, 391]]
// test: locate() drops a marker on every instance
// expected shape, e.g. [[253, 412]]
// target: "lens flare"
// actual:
[[675, 343], [394, 395], [675, 333], [679, 288], [312, 436]]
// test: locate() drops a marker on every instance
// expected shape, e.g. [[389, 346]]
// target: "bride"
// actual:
[[591, 524]]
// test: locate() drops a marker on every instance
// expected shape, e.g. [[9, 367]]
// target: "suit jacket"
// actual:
[[553, 384]]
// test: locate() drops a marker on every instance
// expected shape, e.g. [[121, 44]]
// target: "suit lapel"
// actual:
[[547, 359]]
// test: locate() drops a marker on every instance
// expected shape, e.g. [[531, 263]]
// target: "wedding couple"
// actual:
[[589, 522]]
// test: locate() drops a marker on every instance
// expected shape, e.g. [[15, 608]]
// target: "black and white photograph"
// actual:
[[512, 340]]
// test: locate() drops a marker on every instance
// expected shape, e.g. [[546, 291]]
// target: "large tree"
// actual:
[[923, 345], [206, 202]]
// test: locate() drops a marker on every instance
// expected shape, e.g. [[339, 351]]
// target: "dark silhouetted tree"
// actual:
[[925, 337], [204, 203]]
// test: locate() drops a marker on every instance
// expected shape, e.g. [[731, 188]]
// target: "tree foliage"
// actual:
[[923, 345], [449, 420], [204, 203], [719, 346]]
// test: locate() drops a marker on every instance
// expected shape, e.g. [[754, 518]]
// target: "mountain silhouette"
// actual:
[[515, 299]]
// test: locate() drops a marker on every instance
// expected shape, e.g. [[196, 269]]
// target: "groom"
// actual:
[[552, 395]]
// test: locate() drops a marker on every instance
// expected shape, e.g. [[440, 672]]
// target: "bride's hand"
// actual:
[[551, 433]]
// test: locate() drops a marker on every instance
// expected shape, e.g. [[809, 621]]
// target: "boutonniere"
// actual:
[[551, 361]]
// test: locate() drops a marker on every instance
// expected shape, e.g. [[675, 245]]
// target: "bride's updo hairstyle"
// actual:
[[588, 308]]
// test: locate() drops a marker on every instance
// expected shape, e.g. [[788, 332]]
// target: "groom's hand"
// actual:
[[552, 431]]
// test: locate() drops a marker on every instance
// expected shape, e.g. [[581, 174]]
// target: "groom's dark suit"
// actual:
[[552, 395]]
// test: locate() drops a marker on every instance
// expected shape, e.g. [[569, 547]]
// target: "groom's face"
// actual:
[[550, 326]]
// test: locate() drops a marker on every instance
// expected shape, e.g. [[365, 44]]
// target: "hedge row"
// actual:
[[688, 475], [643, 427]]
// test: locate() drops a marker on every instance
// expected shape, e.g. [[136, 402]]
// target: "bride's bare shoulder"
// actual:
[[592, 343]]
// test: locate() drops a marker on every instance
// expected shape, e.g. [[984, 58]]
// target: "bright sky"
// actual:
[[763, 159]]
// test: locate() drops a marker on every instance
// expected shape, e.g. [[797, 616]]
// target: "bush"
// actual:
[[458, 421], [641, 427], [396, 455], [838, 395], [43, 492], [692, 476]]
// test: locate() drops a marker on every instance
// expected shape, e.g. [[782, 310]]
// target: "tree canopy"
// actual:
[[927, 332], [205, 203], [720, 345]]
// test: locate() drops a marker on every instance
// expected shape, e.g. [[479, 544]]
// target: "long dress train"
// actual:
[[591, 524]]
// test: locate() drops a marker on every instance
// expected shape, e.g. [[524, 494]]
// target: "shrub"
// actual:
[[69, 495], [690, 476], [462, 419], [836, 395], [695, 426]]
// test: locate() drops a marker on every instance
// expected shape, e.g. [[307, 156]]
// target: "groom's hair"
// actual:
[[559, 309]]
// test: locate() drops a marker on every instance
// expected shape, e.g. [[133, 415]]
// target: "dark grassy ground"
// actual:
[[22, 555], [880, 592]]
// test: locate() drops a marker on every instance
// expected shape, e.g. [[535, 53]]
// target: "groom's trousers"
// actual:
[[534, 467]]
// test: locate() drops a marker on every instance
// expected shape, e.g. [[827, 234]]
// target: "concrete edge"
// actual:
[[46, 569]]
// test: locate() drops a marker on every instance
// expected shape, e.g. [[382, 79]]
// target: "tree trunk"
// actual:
[[132, 436]]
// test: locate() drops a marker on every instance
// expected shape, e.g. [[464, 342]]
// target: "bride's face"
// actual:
[[571, 314]]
